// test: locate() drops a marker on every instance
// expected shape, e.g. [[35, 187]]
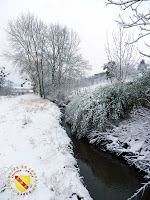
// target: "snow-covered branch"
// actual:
[[138, 18], [126, 3], [144, 54], [142, 189]]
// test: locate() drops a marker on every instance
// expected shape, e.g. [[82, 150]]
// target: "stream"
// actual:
[[106, 176]]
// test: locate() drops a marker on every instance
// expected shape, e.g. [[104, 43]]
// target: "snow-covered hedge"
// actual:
[[106, 106]]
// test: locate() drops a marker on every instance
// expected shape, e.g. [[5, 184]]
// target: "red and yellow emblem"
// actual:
[[22, 183], [22, 180]]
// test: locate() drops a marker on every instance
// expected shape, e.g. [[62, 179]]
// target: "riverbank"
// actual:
[[117, 118], [31, 135], [106, 176], [131, 139]]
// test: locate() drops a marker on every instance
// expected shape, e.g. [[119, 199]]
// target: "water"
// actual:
[[105, 176]]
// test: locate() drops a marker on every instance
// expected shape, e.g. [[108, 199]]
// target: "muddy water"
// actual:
[[105, 176]]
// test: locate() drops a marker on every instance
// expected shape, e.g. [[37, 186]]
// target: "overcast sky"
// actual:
[[90, 19]]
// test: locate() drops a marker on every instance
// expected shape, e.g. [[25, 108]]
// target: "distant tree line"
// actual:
[[5, 85], [2, 76]]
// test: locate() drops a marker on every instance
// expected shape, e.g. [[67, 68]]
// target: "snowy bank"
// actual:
[[110, 116], [131, 139], [30, 135]]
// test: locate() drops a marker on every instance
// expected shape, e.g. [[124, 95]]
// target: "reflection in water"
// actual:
[[105, 176]]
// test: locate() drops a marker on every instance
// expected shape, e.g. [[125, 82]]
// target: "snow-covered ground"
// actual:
[[30, 135], [131, 139], [90, 88]]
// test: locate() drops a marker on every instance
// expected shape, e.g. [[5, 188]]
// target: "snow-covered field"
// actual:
[[30, 135]]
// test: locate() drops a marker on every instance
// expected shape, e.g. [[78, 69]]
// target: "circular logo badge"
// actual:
[[22, 181]]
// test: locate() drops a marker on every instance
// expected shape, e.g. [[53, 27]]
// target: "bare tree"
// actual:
[[121, 54], [139, 18], [26, 37], [63, 57], [46, 55]]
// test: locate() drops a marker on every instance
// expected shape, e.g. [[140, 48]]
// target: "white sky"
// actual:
[[90, 19]]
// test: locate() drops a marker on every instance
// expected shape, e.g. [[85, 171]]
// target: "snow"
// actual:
[[84, 90], [31, 135], [131, 139]]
